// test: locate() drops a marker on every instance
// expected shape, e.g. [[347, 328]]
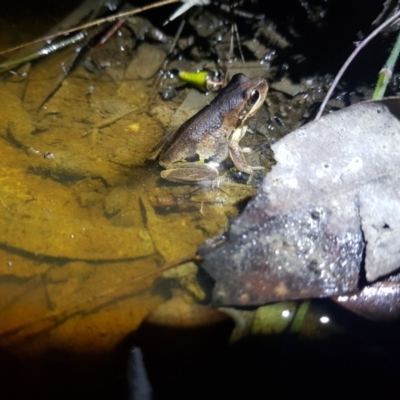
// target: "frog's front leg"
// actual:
[[191, 173], [236, 153]]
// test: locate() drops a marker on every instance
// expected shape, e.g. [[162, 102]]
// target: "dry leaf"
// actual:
[[334, 191]]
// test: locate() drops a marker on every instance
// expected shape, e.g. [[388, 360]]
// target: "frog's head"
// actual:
[[247, 95]]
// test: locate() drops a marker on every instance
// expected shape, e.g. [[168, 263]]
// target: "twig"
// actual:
[[97, 22], [351, 58], [234, 34], [45, 51]]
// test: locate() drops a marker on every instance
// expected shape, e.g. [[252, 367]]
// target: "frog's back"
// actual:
[[198, 138]]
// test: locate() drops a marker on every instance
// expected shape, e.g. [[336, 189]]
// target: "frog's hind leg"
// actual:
[[190, 173]]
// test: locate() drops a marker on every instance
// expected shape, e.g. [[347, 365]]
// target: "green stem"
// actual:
[[386, 72]]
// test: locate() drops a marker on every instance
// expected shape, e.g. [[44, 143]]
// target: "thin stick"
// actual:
[[236, 31], [351, 58], [97, 22]]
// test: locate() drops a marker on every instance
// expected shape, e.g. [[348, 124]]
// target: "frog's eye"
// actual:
[[254, 96]]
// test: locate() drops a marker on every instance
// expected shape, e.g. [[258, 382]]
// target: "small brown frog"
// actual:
[[194, 152]]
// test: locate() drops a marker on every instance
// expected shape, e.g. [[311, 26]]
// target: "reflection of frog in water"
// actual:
[[213, 134]]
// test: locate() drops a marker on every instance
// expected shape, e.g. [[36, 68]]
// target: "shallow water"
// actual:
[[83, 214]]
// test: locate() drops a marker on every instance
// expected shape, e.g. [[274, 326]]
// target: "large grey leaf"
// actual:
[[333, 193]]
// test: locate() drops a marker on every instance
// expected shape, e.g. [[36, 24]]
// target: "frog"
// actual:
[[198, 147]]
